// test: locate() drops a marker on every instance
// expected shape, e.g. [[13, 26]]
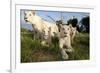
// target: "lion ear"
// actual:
[[75, 28], [33, 12], [70, 25], [60, 25], [25, 13]]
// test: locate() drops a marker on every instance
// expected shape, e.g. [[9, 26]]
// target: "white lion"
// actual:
[[65, 40], [73, 32], [39, 24]]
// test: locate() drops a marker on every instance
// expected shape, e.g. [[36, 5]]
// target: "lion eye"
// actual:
[[63, 28]]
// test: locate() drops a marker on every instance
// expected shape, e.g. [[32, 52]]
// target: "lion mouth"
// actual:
[[46, 37], [26, 20], [65, 35]]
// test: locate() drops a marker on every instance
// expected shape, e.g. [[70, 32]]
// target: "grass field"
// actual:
[[33, 51]]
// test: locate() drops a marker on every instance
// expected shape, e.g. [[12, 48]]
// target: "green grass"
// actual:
[[33, 51], [81, 47]]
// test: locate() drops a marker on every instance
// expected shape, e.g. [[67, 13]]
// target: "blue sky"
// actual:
[[54, 14]]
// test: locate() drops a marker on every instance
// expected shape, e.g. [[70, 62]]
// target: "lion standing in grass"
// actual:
[[39, 24]]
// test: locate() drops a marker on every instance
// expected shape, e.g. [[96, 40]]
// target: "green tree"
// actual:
[[86, 22], [73, 21]]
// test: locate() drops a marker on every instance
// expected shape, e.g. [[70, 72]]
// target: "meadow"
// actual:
[[33, 51]]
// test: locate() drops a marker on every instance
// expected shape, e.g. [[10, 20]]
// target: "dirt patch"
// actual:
[[41, 55]]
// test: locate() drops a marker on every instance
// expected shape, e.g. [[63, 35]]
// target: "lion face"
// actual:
[[65, 30], [29, 16]]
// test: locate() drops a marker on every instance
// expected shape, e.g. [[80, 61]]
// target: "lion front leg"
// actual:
[[63, 52]]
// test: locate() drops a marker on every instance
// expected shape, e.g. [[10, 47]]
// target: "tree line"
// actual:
[[82, 26]]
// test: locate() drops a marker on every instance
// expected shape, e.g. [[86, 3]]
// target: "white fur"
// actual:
[[40, 24], [73, 32], [65, 40]]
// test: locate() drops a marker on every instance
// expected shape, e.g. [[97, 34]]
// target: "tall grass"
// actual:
[[81, 47], [33, 51]]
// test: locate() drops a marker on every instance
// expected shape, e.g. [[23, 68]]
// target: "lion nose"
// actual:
[[65, 32]]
